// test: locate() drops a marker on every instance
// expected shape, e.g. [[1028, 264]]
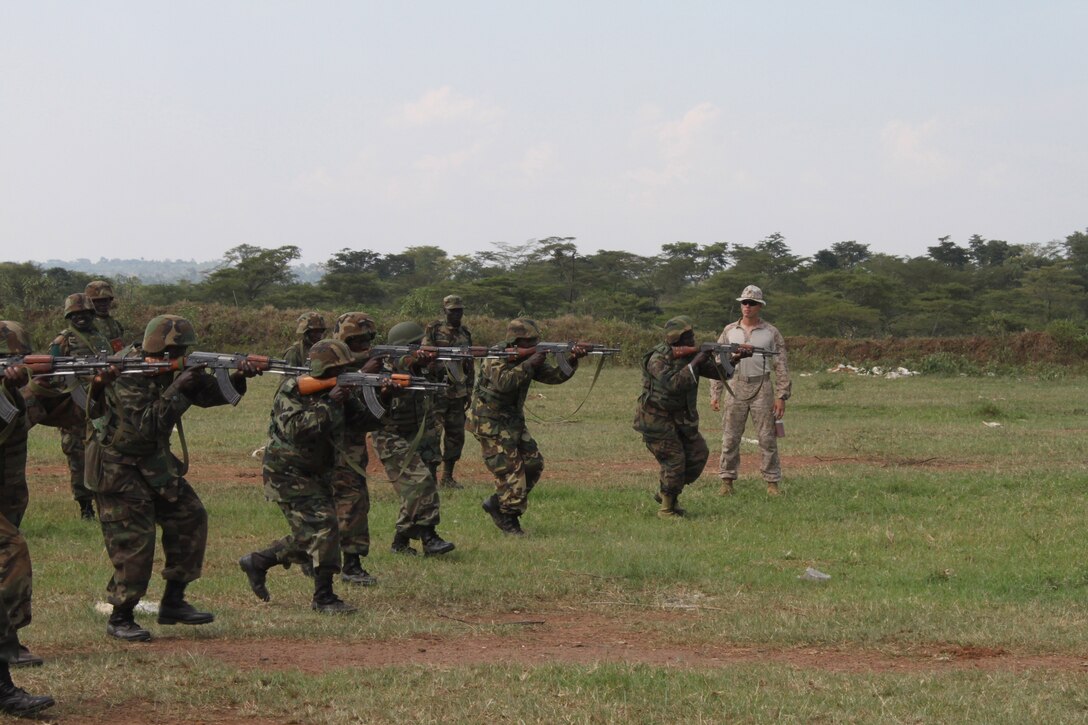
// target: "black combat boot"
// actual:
[[507, 523], [122, 624], [433, 544], [86, 509], [173, 609], [17, 701], [24, 657], [354, 573], [402, 543], [325, 601], [256, 566]]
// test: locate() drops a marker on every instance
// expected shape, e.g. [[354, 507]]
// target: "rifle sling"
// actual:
[[568, 418]]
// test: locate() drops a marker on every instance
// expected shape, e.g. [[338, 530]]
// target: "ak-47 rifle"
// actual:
[[222, 364], [721, 351], [370, 383], [451, 355], [561, 350]]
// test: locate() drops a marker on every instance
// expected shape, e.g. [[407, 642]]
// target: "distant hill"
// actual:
[[163, 271]]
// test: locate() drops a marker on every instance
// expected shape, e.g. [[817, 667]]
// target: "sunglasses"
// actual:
[[749, 303]]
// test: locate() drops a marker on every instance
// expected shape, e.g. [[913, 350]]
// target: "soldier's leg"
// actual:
[[352, 498], [669, 453], [532, 462], [16, 579], [128, 527], [734, 417], [315, 533], [696, 454], [763, 418], [502, 456], [184, 523], [71, 442], [411, 479], [14, 494], [453, 439]]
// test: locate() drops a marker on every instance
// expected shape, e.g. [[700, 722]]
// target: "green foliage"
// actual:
[[947, 363]]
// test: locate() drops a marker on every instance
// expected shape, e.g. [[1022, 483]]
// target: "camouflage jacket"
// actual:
[[501, 387], [71, 341], [112, 330], [13, 435], [440, 334], [134, 417], [297, 354], [670, 391], [409, 409], [306, 431]]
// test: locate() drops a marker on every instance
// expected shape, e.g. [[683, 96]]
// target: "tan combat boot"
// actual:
[[773, 489], [668, 508], [726, 487]]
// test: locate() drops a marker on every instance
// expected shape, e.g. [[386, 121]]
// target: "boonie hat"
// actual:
[[452, 302], [751, 292]]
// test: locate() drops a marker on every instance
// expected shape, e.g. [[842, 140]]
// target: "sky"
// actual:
[[180, 129]]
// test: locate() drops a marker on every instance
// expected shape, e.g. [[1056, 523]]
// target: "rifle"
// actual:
[[719, 350], [223, 363], [44, 366], [451, 355], [369, 382], [560, 349]]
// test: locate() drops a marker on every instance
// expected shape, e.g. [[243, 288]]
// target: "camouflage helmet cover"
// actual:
[[310, 321], [351, 324], [328, 353], [13, 339], [676, 327], [166, 330], [405, 333], [452, 302], [99, 289], [77, 302], [521, 327]]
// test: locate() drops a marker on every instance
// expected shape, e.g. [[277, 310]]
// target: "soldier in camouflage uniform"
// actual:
[[450, 408], [349, 485], [311, 327], [497, 419], [100, 293], [16, 577], [667, 415], [306, 433], [407, 444], [138, 482], [80, 338]]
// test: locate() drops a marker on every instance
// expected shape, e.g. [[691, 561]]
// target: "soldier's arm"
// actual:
[[551, 374], [303, 418], [669, 377], [504, 377], [783, 387]]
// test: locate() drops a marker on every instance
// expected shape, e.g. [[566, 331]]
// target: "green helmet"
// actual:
[[77, 302], [13, 339], [521, 327], [99, 289], [166, 330], [676, 327], [405, 333], [310, 321], [351, 324], [328, 353]]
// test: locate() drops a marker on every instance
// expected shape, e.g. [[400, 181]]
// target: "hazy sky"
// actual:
[[154, 129]]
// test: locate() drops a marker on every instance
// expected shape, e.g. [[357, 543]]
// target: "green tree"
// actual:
[[250, 272]]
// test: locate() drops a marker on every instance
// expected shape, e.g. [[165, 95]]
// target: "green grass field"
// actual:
[[958, 582]]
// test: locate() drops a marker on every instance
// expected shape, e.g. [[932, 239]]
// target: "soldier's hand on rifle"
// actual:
[[536, 359], [249, 369], [699, 359], [741, 352], [188, 379], [105, 378], [421, 358], [15, 377], [579, 350], [372, 365], [339, 394]]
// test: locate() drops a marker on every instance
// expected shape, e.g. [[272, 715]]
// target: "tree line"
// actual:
[[981, 286]]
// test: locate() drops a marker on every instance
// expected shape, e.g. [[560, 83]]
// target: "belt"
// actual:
[[756, 378]]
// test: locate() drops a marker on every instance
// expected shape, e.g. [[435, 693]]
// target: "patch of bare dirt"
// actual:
[[583, 638]]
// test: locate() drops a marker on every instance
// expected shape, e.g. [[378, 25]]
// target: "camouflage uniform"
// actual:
[[304, 434], [140, 483], [497, 419], [71, 341], [450, 409], [107, 325], [667, 415], [411, 471]]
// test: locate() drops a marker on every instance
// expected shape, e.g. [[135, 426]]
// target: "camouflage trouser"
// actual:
[[310, 510], [450, 413], [352, 498], [129, 509], [412, 479], [71, 442], [14, 495], [755, 398], [15, 587], [512, 456], [682, 457]]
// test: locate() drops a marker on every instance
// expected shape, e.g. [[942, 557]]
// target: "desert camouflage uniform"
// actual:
[[71, 341], [305, 433], [497, 419], [140, 483], [668, 417], [412, 472], [450, 409], [752, 394]]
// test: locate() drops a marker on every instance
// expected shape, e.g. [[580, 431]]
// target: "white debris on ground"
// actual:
[[991, 424], [813, 575], [752, 441], [875, 371], [257, 453], [144, 607]]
